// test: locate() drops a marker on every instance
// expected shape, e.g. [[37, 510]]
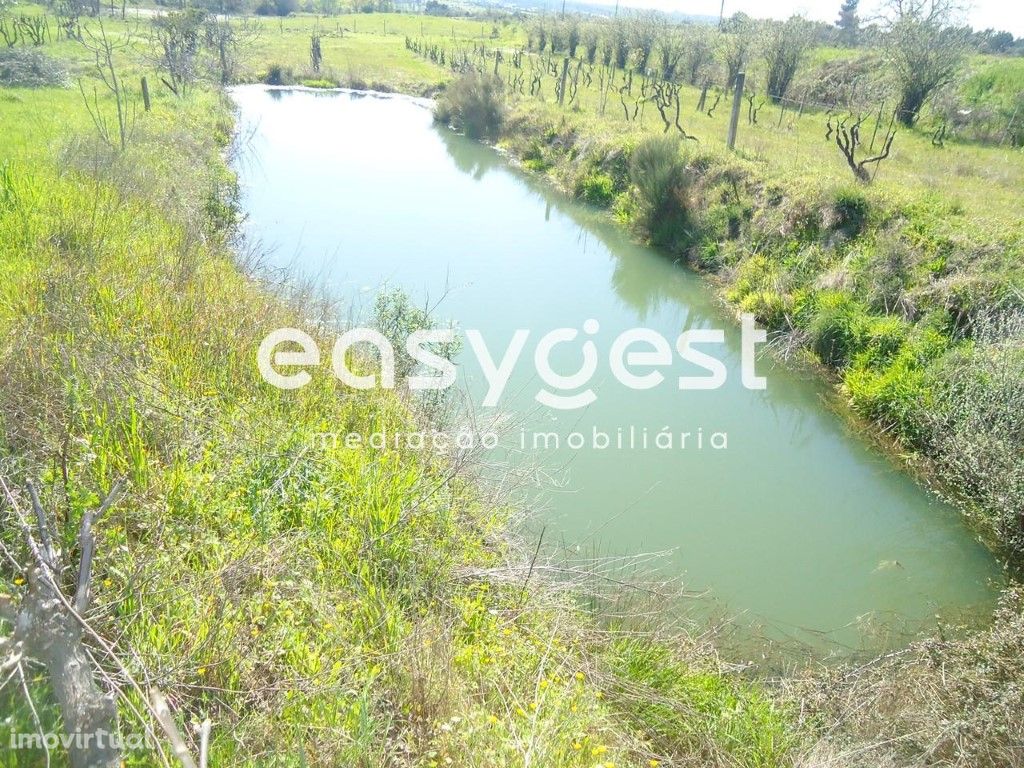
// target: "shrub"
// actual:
[[475, 105], [276, 7], [884, 274], [278, 74], [657, 170], [890, 394], [943, 701], [883, 337], [596, 188], [772, 309], [28, 68], [851, 209], [975, 422], [837, 328], [756, 273]]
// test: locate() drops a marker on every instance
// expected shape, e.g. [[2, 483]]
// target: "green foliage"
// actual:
[[852, 209], [975, 424], [784, 46], [837, 329], [278, 74], [276, 7], [473, 104], [658, 173], [596, 188], [925, 51], [688, 708], [397, 318], [774, 310]]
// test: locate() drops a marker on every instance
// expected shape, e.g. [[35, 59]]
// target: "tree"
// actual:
[[784, 46], [924, 50], [228, 40], [736, 45], [849, 23], [643, 33], [107, 51], [700, 55], [671, 47], [993, 42], [176, 38]]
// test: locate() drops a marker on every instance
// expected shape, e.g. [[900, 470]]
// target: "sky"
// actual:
[[1005, 15]]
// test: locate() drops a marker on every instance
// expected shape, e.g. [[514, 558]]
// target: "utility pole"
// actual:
[[721, 17]]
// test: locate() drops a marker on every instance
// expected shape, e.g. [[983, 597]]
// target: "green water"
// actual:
[[797, 526]]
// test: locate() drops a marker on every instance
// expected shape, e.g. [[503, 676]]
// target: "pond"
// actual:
[[796, 525]]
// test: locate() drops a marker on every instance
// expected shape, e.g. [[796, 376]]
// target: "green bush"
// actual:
[[278, 74], [891, 395], [884, 337], [473, 104], [773, 309], [837, 328], [658, 173], [975, 422], [596, 188], [852, 209]]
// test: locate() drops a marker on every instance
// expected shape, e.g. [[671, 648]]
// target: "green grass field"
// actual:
[[369, 49]]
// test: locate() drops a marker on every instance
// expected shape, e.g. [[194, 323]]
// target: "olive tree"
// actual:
[[924, 50], [671, 47], [643, 34], [784, 45], [700, 54], [736, 45]]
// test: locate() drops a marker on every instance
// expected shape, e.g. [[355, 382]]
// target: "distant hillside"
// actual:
[[574, 6]]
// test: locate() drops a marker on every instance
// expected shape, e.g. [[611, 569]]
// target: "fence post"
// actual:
[[145, 94], [878, 120], [1009, 126], [737, 102], [561, 87]]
